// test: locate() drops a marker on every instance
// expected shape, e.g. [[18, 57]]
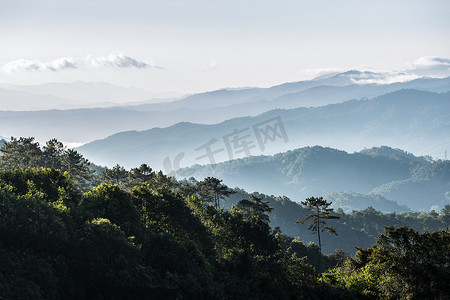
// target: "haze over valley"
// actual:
[[189, 136], [199, 149]]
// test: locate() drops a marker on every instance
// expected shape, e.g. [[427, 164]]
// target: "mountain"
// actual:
[[204, 101], [416, 121], [19, 100], [428, 183], [62, 95], [350, 201], [316, 92], [75, 125], [352, 181]]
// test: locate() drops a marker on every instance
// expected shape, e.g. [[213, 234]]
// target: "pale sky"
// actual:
[[200, 45]]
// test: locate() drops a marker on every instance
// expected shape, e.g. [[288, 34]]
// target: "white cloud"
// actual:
[[430, 66], [23, 65], [117, 60], [430, 61], [385, 78], [63, 63], [427, 66]]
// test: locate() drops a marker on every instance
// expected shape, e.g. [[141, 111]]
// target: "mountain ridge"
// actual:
[[402, 119], [338, 175]]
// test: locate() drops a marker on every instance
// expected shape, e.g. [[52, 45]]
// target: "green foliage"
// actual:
[[255, 207], [77, 167], [20, 153], [25, 153], [50, 184], [321, 212], [117, 175], [140, 175], [421, 260], [404, 265], [110, 262], [112, 203], [166, 212], [446, 215], [212, 190], [160, 241], [52, 152]]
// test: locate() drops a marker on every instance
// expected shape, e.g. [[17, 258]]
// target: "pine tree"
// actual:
[[320, 213], [212, 190]]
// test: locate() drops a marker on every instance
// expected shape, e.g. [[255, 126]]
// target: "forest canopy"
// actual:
[[68, 230]]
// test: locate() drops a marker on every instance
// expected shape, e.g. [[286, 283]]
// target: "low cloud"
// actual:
[[385, 78], [430, 66], [430, 61], [427, 66], [115, 60]]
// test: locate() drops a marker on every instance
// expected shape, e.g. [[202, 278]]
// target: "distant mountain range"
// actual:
[[317, 92], [416, 121], [241, 125], [59, 95], [88, 124], [384, 178]]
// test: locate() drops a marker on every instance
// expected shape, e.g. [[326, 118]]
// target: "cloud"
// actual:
[[430, 66], [385, 78], [427, 66], [23, 65], [430, 61], [114, 60]]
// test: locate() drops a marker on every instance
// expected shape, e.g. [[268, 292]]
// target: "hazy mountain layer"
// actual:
[[416, 121], [60, 95], [414, 183], [85, 125]]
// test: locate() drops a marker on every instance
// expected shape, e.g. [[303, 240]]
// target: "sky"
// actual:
[[202, 45]]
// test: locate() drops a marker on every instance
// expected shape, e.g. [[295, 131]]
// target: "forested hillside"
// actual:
[[140, 234], [412, 182]]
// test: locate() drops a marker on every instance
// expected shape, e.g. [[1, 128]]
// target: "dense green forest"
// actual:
[[69, 229]]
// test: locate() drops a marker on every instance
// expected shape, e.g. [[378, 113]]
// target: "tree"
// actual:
[[212, 190], [77, 166], [405, 264], [163, 181], [112, 203], [255, 207], [165, 211], [445, 216], [419, 260], [116, 175], [321, 212], [53, 152], [20, 153], [140, 175]]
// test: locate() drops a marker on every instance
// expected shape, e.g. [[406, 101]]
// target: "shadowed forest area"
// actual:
[[70, 229]]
